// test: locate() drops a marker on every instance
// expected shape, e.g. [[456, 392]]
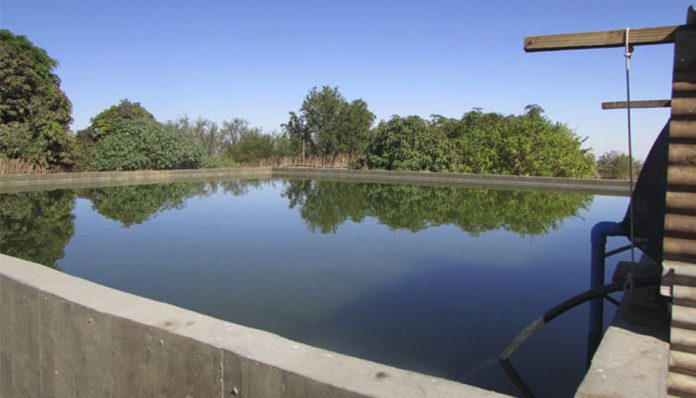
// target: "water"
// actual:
[[432, 279]]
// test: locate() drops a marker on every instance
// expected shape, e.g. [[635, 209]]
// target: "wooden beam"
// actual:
[[602, 39], [637, 104]]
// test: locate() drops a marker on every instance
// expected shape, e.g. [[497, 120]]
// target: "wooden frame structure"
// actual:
[[679, 244]]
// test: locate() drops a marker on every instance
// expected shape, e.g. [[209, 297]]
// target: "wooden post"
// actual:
[[637, 104], [603, 39], [680, 219]]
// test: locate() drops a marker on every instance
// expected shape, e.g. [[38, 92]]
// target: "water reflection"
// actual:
[[325, 205], [136, 204], [36, 226], [434, 301]]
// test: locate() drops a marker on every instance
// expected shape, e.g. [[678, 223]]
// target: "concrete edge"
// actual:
[[67, 180], [598, 186], [19, 182], [631, 360], [354, 376]]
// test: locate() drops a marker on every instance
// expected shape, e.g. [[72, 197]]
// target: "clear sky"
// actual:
[[257, 59]]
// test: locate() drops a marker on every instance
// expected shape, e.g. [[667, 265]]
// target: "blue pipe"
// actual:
[[598, 237]]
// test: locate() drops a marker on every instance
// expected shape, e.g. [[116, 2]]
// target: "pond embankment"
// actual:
[[64, 336], [21, 182]]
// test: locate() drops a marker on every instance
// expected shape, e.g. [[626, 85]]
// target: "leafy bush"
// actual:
[[409, 143], [127, 137], [614, 165], [482, 143], [252, 146]]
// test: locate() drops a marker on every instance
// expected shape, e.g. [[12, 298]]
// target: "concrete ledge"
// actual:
[[23, 182], [19, 182], [632, 359], [63, 336], [598, 186]]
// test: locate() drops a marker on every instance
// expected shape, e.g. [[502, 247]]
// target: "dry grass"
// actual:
[[328, 162], [19, 166]]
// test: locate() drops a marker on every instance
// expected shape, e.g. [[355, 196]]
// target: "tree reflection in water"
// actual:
[[136, 204], [324, 205], [36, 226]]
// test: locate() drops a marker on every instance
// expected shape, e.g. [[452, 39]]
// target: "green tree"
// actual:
[[127, 137], [536, 146], [253, 146], [614, 165], [34, 111], [527, 144], [203, 131], [232, 130], [478, 141], [410, 143], [299, 135], [329, 123], [283, 145]]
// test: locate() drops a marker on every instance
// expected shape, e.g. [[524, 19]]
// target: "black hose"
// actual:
[[539, 323]]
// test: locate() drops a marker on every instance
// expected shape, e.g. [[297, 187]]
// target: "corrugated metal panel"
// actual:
[[680, 216]]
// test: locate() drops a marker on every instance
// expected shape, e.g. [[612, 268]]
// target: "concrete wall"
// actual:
[[24, 182], [62, 336], [13, 183], [597, 186]]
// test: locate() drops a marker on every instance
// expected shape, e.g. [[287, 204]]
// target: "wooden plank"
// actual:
[[684, 107], [665, 103], [684, 294], [683, 360], [682, 154], [682, 129], [681, 200], [602, 39], [679, 247], [680, 223], [680, 384], [681, 175], [683, 337], [686, 316]]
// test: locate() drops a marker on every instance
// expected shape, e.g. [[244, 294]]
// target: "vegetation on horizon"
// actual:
[[614, 165], [35, 119]]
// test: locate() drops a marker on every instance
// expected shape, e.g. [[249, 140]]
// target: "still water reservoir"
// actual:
[[433, 279]]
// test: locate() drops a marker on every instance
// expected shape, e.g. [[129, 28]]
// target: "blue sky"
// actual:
[[258, 59]]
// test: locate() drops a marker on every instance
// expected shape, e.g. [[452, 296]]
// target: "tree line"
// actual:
[[35, 128]]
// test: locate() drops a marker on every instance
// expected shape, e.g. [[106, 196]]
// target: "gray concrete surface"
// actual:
[[597, 186], [632, 359], [23, 182], [62, 336]]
